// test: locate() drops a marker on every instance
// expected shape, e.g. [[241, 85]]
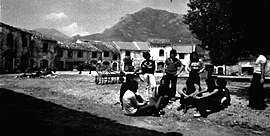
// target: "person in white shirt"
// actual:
[[133, 104], [256, 90]]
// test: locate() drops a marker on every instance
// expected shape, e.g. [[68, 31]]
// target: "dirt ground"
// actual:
[[75, 105]]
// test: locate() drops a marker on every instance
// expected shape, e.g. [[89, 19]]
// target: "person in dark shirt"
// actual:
[[195, 67], [213, 99], [148, 69], [172, 70]]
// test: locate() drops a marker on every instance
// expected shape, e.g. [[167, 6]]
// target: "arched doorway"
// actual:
[[44, 64], [114, 66], [220, 71]]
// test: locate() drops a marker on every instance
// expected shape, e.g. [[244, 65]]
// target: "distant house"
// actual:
[[71, 55], [159, 50], [110, 55], [14, 49], [131, 54], [184, 51]]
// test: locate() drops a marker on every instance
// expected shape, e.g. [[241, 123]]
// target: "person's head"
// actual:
[[221, 83], [173, 53], [194, 57], [146, 55], [133, 86], [129, 77]]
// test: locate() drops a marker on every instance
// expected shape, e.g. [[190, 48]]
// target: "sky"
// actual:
[[82, 17]]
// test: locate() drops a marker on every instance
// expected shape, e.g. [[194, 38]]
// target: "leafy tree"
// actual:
[[226, 28]]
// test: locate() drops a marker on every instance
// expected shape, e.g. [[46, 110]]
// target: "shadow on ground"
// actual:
[[243, 93], [25, 115]]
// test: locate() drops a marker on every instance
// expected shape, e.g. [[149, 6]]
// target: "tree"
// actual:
[[225, 27]]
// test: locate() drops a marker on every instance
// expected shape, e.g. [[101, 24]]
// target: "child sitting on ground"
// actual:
[[192, 88], [212, 99]]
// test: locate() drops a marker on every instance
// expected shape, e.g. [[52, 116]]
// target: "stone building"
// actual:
[[14, 49], [131, 54], [71, 55], [42, 50]]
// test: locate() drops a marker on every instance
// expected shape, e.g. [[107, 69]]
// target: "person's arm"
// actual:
[[181, 91], [165, 66], [179, 68], [203, 91], [197, 90], [263, 71], [202, 66], [208, 95], [135, 101], [154, 66]]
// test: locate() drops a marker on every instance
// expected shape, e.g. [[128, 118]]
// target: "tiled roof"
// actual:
[[112, 47], [159, 42], [142, 45], [126, 46], [183, 48], [40, 36], [100, 45], [79, 46], [19, 29]]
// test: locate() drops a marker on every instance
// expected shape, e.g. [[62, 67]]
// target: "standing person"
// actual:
[[195, 67], [148, 69], [173, 68], [256, 90]]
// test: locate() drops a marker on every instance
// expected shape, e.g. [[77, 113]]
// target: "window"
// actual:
[[181, 55], [115, 57], [127, 53], [80, 54], [60, 53], [94, 54], [106, 54], [24, 41], [45, 47], [161, 52], [70, 54]]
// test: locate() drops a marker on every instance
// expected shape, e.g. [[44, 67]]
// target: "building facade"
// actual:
[[14, 49]]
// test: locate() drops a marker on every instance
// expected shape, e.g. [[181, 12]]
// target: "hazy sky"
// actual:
[[78, 16]]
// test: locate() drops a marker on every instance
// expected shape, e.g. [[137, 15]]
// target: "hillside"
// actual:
[[53, 33], [144, 24]]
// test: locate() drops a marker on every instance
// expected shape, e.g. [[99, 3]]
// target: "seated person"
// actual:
[[161, 90], [130, 82], [212, 99], [225, 98], [134, 105], [191, 89]]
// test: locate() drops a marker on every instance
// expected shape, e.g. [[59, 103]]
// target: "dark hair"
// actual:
[[173, 51], [145, 54], [129, 77], [132, 85], [190, 85], [221, 82], [210, 82], [194, 59]]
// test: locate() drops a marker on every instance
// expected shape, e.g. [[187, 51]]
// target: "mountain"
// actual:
[[53, 33], [144, 24]]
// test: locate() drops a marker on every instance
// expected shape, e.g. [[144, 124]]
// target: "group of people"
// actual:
[[213, 98]]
